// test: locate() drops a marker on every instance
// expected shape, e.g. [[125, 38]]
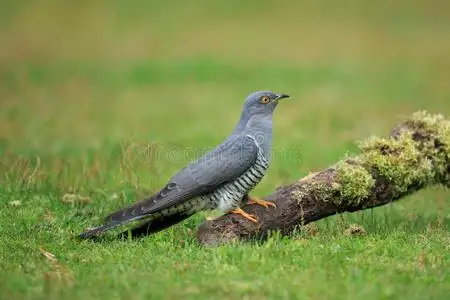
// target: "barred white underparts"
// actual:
[[229, 196]]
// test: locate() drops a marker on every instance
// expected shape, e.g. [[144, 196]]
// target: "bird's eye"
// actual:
[[264, 99]]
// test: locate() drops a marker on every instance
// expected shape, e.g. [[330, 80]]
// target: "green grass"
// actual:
[[107, 100]]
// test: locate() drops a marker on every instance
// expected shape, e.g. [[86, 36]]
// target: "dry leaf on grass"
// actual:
[[51, 257], [75, 199], [421, 260], [310, 229], [48, 215], [355, 229], [58, 272]]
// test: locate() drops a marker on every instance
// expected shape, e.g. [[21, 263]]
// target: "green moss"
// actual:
[[406, 162], [353, 183], [438, 128], [323, 191], [416, 157], [399, 161]]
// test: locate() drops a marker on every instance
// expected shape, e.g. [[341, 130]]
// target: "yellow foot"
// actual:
[[244, 214], [254, 200]]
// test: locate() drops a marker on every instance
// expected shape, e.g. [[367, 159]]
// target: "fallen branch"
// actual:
[[414, 156]]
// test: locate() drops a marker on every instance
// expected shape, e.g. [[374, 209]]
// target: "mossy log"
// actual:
[[414, 156]]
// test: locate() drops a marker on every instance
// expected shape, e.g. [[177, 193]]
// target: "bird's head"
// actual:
[[262, 103]]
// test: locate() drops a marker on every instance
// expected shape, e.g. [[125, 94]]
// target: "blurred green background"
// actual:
[[89, 90]]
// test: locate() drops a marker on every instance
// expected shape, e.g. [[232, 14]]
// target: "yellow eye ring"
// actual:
[[264, 99]]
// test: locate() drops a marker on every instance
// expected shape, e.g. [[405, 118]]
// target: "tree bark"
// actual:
[[415, 155]]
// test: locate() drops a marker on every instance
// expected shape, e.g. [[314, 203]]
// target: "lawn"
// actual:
[[107, 100]]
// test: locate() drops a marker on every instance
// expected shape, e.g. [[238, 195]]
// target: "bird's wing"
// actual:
[[223, 164]]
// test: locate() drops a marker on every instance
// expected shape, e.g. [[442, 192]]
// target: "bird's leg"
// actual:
[[255, 200], [239, 211]]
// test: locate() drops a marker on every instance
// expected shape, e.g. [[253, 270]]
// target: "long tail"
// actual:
[[148, 223], [145, 228], [156, 225], [97, 231], [119, 218]]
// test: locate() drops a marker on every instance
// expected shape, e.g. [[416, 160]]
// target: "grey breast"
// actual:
[[229, 196]]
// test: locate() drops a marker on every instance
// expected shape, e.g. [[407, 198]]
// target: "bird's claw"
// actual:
[[266, 204], [250, 217]]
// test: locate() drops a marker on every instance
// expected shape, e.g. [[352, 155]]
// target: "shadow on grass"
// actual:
[[373, 224]]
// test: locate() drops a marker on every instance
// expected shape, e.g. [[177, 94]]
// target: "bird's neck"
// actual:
[[259, 127], [251, 121]]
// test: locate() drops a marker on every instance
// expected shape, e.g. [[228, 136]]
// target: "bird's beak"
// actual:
[[281, 96]]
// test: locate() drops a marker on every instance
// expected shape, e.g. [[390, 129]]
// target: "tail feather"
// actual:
[[96, 231], [119, 218], [129, 212], [109, 225], [156, 225], [150, 223]]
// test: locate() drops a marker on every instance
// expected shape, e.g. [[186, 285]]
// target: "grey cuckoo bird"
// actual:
[[221, 179]]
